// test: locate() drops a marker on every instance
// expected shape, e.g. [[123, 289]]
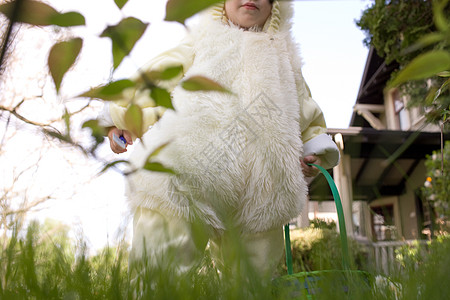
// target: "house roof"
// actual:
[[380, 160], [375, 76]]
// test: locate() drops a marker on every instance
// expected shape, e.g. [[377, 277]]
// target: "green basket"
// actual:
[[325, 284]]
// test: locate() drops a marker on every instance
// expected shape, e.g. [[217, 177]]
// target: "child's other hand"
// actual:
[[310, 171], [125, 133]]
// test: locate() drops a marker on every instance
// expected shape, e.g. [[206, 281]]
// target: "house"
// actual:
[[382, 163]]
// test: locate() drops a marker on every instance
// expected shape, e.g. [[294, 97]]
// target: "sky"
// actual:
[[333, 56], [330, 43]]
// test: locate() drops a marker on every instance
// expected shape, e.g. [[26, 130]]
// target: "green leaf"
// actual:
[[444, 74], [161, 97], [90, 124], [120, 3], [68, 19], [157, 167], [423, 66], [110, 92], [439, 17], [31, 12], [180, 10], [167, 74], [171, 72], [425, 41], [124, 36], [431, 96], [201, 83], [117, 87], [98, 132], [66, 118], [59, 136], [150, 78], [112, 164], [62, 56], [157, 151], [134, 120], [41, 14], [444, 87]]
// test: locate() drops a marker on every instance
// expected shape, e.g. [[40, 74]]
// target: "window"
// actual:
[[383, 223], [401, 113]]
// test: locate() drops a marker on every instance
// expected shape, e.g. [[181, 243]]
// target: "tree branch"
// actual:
[[14, 112], [27, 208], [14, 17]]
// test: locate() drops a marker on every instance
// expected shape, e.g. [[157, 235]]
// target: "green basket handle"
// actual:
[[342, 228]]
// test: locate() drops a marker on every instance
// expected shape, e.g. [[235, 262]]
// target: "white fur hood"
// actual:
[[279, 20]]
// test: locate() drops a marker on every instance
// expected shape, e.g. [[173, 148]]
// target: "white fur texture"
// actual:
[[236, 155]]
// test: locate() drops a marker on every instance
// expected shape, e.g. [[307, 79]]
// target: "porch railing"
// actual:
[[383, 254]]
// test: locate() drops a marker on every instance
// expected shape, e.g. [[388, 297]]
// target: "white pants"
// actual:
[[161, 239]]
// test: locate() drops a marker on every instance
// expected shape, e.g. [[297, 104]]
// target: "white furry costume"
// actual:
[[237, 155]]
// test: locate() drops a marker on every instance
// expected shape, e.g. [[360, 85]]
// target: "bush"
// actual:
[[436, 189], [425, 269], [321, 223], [320, 248]]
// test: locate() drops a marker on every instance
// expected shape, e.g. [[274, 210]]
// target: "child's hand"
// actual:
[[118, 132], [310, 171]]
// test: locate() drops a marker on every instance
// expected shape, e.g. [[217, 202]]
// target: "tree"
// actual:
[[416, 34], [124, 36], [36, 169], [63, 122]]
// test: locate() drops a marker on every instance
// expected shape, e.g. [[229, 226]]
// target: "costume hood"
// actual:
[[279, 20]]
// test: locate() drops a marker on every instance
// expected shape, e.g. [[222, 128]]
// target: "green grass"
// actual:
[[37, 265]]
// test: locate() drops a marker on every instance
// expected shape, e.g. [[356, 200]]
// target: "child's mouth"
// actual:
[[250, 6]]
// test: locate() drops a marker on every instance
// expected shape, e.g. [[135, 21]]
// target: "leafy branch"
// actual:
[[124, 36]]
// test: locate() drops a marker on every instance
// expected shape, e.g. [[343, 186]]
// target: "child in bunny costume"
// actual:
[[240, 158]]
